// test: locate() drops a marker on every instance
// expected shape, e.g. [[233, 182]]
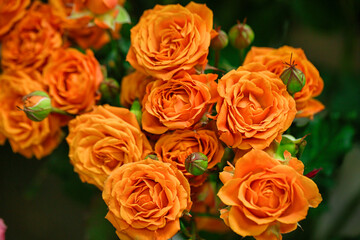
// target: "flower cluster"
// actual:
[[157, 159]]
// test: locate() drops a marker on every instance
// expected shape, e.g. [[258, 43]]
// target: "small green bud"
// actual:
[[220, 41], [241, 35], [37, 105], [136, 109], [294, 146], [109, 88], [196, 163], [293, 78], [152, 156]]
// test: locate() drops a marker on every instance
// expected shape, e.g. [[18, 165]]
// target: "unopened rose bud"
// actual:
[[136, 109], [152, 156], [220, 41], [293, 78], [109, 88], [37, 105], [241, 35], [196, 163], [288, 143]]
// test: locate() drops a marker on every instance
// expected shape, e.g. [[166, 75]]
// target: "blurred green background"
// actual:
[[46, 200]]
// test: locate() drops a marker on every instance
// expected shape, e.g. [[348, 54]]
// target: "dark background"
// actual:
[[44, 199]]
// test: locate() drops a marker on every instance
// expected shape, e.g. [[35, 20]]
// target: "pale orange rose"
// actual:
[[26, 137], [73, 79], [133, 86], [104, 139], [206, 202], [95, 6], [33, 40], [78, 30], [178, 103], [254, 107], [11, 11], [146, 200], [175, 147], [274, 60], [266, 198], [171, 38]]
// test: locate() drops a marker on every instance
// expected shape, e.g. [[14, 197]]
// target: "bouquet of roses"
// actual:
[[191, 146]]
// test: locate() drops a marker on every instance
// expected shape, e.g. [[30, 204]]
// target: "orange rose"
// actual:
[[11, 11], [79, 30], [177, 146], [146, 200], [178, 103], [103, 140], [133, 87], [254, 107], [274, 60], [73, 79], [26, 137], [205, 202], [171, 38], [265, 197], [33, 39], [96, 6]]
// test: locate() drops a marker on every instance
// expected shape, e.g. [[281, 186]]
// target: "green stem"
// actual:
[[217, 58], [242, 56], [59, 111]]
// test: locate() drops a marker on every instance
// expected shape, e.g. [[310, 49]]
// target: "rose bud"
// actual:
[[241, 35], [109, 88], [196, 163], [220, 41], [288, 143], [37, 105], [293, 78]]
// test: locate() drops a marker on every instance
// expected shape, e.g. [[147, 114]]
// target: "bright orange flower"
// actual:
[[133, 86], [11, 11], [78, 30], [266, 198], [205, 202], [33, 39], [175, 147], [26, 137], [104, 139], [171, 38], [178, 103], [146, 200], [73, 79], [274, 60], [254, 107]]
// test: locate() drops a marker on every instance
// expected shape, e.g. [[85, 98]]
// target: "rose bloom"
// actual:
[[274, 60], [73, 79], [205, 202], [11, 11], [78, 30], [96, 6], [178, 103], [266, 198], [171, 38], [103, 140], [33, 40], [175, 147], [254, 107], [146, 200], [133, 86], [26, 137]]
